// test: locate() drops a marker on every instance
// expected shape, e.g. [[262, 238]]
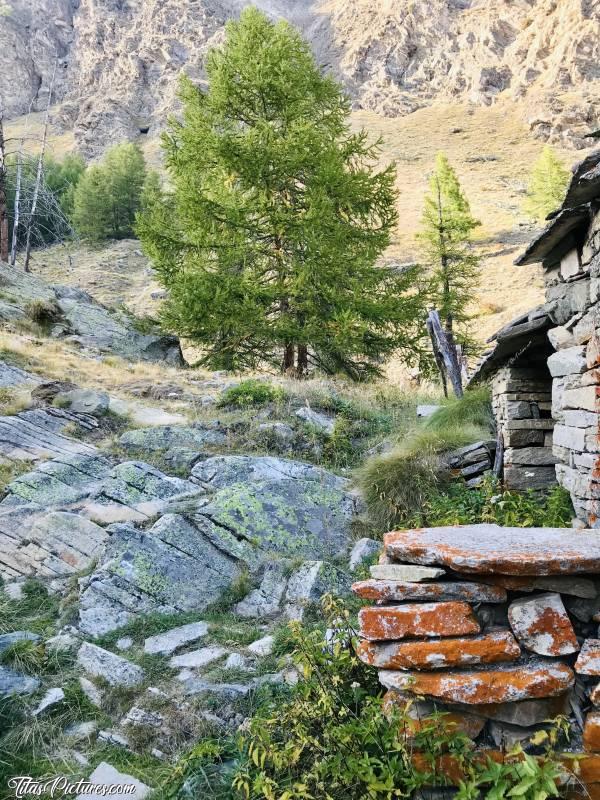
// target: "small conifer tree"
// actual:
[[446, 239], [108, 195], [268, 237], [547, 185]]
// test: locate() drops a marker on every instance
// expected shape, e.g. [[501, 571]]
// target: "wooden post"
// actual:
[[447, 352]]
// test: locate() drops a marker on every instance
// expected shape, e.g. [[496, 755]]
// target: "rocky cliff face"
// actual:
[[118, 60]]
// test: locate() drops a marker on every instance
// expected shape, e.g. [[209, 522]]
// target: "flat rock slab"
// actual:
[[499, 685], [489, 549], [441, 653], [542, 625], [417, 619], [106, 775], [563, 584], [102, 663], [399, 591], [405, 572], [198, 658], [170, 641], [588, 661]]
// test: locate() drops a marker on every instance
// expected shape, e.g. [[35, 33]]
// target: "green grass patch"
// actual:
[[251, 392]]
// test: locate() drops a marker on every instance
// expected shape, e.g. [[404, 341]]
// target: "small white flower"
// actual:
[[355, 685]]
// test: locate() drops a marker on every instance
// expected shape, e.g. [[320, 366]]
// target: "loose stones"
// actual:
[[441, 653], [542, 625], [588, 661], [417, 619], [397, 591], [492, 549], [499, 685]]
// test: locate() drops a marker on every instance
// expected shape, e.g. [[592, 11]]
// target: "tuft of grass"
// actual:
[[397, 485], [36, 611], [43, 312], [251, 392], [12, 401]]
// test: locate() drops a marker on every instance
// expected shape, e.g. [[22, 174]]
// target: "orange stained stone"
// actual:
[[383, 623], [499, 685], [588, 661], [542, 625], [591, 732], [441, 653], [488, 549], [385, 591]]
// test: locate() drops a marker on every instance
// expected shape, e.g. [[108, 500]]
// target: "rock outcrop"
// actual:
[[73, 315]]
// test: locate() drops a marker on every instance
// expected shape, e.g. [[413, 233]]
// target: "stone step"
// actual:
[[384, 623], [482, 686], [489, 549], [441, 653], [386, 591]]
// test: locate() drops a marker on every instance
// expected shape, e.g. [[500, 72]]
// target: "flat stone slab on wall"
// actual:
[[492, 549]]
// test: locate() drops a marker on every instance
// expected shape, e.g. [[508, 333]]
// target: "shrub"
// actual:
[[251, 392], [329, 738]]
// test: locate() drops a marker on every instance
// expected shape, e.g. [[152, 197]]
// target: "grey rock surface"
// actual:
[[364, 550], [13, 683], [114, 669], [170, 641]]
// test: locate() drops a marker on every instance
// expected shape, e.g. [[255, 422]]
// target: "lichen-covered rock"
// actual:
[[384, 623], [170, 437], [265, 600], [403, 572], [399, 591], [364, 550], [309, 583], [430, 654], [588, 660], [542, 625], [222, 471], [323, 423], [8, 639], [83, 401], [490, 549], [114, 669], [486, 685], [172, 567], [105, 775], [198, 658]]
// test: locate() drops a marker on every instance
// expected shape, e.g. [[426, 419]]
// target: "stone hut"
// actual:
[[545, 365]]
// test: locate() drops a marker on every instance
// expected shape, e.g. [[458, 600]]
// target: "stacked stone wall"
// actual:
[[497, 628], [522, 402], [573, 295]]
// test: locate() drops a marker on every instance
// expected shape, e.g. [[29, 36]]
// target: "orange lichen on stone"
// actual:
[[542, 625], [588, 661], [591, 732], [499, 685], [489, 549], [441, 653], [382, 623], [386, 591]]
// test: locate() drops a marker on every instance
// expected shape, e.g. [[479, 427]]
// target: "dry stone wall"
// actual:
[[495, 627], [573, 293], [522, 403]]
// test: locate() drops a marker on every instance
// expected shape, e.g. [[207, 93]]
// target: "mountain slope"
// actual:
[[119, 60]]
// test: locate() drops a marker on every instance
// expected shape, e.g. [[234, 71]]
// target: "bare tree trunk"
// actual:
[[288, 358], [40, 170], [3, 198], [17, 209], [447, 351], [302, 360], [438, 358]]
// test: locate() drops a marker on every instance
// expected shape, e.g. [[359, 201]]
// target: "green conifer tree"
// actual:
[[446, 239], [109, 195], [268, 238], [547, 185]]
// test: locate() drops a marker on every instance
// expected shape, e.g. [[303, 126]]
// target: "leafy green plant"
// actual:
[[251, 392]]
